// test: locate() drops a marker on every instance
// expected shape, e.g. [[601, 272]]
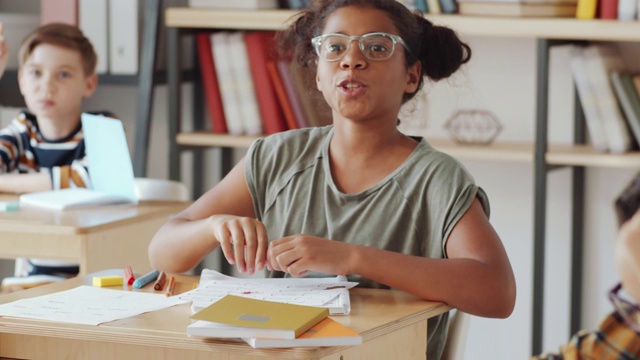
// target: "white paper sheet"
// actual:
[[331, 292], [88, 305]]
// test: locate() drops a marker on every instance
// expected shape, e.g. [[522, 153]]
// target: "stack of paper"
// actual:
[[331, 293]]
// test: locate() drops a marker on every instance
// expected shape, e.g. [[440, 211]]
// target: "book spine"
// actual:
[[282, 95], [221, 57], [600, 61], [629, 102], [92, 20], [292, 95], [627, 9], [608, 9], [123, 37], [245, 88], [63, 11], [258, 45], [210, 83], [586, 9], [587, 98]]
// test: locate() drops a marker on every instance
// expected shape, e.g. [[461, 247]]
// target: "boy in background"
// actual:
[[43, 148]]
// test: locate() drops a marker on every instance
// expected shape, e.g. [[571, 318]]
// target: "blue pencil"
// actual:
[[145, 279]]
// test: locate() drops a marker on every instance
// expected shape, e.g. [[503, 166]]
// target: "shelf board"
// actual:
[[518, 152], [546, 28], [586, 155], [560, 155]]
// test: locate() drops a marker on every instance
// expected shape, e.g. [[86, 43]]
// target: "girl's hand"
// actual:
[[298, 254], [243, 241]]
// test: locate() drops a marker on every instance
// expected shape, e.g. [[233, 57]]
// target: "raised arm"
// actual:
[[224, 216]]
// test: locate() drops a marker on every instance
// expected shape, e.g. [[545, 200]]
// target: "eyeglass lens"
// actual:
[[374, 47]]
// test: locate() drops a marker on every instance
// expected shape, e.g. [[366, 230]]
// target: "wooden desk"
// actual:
[[98, 237], [393, 325]]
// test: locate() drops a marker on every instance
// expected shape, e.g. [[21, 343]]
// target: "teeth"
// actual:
[[351, 86]]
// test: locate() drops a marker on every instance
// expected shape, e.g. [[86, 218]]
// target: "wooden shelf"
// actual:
[[561, 155], [548, 28]]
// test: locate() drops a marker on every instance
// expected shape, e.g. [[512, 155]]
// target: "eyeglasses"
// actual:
[[625, 308], [374, 46]]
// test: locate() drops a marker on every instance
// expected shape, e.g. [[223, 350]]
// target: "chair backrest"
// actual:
[[160, 189], [456, 336]]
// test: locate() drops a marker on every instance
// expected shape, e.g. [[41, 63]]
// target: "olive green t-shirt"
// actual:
[[412, 211]]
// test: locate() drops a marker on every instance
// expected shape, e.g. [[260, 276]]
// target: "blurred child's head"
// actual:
[[57, 71]]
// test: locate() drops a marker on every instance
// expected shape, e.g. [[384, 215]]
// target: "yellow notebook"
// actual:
[[236, 316], [327, 332]]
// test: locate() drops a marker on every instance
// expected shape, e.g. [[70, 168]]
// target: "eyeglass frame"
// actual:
[[317, 40], [616, 300]]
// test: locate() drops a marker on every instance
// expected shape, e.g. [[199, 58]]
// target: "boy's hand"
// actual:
[[4, 51]]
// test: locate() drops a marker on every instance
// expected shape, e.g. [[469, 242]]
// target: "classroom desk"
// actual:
[[97, 237], [393, 325]]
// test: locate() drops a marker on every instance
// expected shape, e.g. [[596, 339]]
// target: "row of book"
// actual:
[[582, 9], [250, 91], [610, 97], [111, 26]]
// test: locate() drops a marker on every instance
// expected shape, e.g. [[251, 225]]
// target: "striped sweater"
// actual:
[[23, 149]]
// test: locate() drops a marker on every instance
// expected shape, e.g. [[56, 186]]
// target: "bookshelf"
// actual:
[[544, 157]]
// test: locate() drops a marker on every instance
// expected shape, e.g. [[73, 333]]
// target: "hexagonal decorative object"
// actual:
[[473, 126]]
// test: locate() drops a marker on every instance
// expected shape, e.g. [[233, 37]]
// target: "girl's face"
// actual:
[[356, 87]]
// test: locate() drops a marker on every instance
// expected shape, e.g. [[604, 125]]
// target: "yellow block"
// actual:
[[107, 281]]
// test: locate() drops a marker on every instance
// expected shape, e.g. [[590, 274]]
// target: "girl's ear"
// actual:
[[413, 77]]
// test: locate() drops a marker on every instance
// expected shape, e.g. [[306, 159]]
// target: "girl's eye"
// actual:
[[65, 75], [335, 47]]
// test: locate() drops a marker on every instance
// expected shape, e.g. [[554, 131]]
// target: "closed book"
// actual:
[[327, 332], [124, 37], [434, 6], [92, 20], [228, 92], [608, 9], [251, 121], [59, 11], [587, 9], [256, 318], [284, 69], [627, 9], [260, 49], [587, 96], [317, 111], [235, 4], [518, 9], [600, 61], [210, 83], [629, 100], [281, 93], [448, 6]]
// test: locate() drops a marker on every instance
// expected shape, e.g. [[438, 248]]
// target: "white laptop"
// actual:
[[110, 170]]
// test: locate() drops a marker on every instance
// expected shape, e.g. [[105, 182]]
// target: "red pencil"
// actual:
[[128, 275]]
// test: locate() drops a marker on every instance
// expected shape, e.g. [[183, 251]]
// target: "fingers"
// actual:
[[244, 242]]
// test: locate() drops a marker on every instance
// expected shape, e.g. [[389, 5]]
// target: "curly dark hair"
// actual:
[[438, 48]]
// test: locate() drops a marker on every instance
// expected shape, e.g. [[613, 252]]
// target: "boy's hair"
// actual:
[[63, 35]]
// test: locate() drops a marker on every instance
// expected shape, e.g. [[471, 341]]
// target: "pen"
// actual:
[[128, 275], [159, 284], [195, 285], [170, 285], [9, 206], [145, 279]]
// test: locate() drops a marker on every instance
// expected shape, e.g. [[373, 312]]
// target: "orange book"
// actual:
[[259, 45], [281, 92], [210, 83], [327, 332]]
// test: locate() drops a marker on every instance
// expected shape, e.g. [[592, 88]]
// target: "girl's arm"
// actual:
[[25, 183], [224, 216]]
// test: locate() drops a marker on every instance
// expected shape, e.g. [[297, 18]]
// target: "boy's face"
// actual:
[[53, 83]]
